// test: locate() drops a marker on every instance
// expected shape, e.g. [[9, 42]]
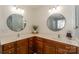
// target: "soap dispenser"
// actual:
[[69, 35]]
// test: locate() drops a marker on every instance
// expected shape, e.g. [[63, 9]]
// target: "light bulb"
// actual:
[[17, 10], [55, 10], [13, 9], [59, 8], [22, 11], [51, 11]]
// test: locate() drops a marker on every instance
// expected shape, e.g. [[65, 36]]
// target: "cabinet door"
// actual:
[[73, 50], [49, 50], [9, 51], [22, 46], [61, 51], [8, 46], [23, 42], [39, 45], [39, 49], [66, 49], [77, 50], [22, 50]]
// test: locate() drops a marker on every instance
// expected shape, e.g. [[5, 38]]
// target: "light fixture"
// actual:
[[59, 8], [55, 9], [14, 9]]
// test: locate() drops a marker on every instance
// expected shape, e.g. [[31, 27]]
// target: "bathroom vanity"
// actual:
[[38, 45], [53, 33]]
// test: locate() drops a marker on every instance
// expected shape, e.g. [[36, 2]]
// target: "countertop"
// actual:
[[8, 39]]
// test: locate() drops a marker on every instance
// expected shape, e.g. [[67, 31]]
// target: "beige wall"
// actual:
[[5, 33], [41, 15], [38, 16]]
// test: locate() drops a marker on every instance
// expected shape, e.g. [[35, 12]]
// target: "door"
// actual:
[[49, 49]]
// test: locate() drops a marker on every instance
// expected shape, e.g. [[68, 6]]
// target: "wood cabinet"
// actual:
[[9, 51], [49, 47], [38, 45], [8, 48], [62, 48], [54, 47], [77, 50], [22, 46], [22, 50], [73, 50]]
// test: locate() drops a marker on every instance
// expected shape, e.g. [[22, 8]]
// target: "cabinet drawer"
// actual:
[[10, 51], [21, 43], [8, 46]]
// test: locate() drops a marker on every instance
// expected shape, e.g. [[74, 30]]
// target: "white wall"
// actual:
[[36, 16], [5, 33], [41, 15]]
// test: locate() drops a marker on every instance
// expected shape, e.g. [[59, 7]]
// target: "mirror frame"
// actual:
[[9, 26], [57, 29]]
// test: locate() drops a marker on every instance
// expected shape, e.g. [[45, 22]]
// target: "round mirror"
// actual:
[[16, 23], [56, 22]]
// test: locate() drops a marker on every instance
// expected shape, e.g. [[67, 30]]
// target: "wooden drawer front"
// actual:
[[10, 51], [61, 51], [22, 50], [49, 50], [21, 43], [8, 46]]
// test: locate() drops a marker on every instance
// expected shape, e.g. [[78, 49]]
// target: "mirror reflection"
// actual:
[[16, 23], [56, 22]]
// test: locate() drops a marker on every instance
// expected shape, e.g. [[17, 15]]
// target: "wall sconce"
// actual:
[[56, 9], [14, 9]]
